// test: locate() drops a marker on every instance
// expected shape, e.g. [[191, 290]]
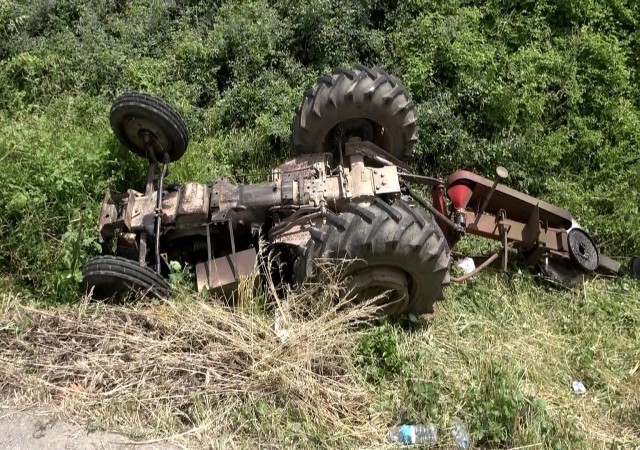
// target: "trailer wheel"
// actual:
[[364, 102], [133, 114], [115, 277], [392, 249]]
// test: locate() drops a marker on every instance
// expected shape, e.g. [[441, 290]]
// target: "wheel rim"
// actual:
[[365, 129], [136, 117], [389, 284], [136, 127]]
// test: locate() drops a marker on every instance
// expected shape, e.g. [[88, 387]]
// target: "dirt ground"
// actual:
[[40, 429]]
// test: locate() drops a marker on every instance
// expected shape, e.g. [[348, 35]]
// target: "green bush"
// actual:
[[547, 89], [378, 355], [54, 175]]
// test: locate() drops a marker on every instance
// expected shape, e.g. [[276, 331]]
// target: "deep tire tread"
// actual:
[[112, 275], [385, 235], [108, 262], [387, 208], [365, 214], [361, 93]]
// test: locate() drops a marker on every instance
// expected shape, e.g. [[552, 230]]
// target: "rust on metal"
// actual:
[[193, 206], [516, 203], [221, 270], [488, 226], [109, 220]]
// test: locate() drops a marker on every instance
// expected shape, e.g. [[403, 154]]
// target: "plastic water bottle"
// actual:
[[460, 434], [414, 434]]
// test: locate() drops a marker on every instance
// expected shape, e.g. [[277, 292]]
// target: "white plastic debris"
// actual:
[[578, 387], [279, 322], [283, 334], [467, 265]]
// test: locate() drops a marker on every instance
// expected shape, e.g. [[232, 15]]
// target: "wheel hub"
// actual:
[[388, 284], [583, 250], [136, 128]]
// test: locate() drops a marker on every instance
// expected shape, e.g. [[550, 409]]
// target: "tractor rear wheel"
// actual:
[[364, 102], [392, 251], [115, 277]]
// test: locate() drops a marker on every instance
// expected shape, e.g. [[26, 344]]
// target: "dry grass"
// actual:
[[194, 369], [500, 353]]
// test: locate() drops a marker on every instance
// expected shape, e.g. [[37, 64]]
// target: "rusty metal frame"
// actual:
[[304, 188]]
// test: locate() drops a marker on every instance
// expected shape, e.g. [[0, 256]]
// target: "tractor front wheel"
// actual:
[[114, 277]]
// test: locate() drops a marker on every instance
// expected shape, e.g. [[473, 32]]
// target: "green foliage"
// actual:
[[378, 355], [501, 355], [49, 196], [548, 89]]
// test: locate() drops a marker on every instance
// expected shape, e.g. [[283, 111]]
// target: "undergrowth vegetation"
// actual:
[[500, 355], [213, 375], [548, 89]]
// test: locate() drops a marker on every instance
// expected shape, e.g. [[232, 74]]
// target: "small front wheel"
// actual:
[[136, 117], [115, 277]]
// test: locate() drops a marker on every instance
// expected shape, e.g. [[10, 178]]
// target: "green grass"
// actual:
[[500, 353]]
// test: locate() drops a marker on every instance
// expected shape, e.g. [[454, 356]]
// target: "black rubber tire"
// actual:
[[633, 267], [133, 111], [117, 277], [361, 93], [384, 235]]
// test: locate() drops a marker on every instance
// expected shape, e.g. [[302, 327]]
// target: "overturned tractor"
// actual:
[[347, 193]]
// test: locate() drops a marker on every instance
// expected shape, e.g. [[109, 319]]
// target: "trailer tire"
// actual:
[[382, 243], [367, 102], [115, 277]]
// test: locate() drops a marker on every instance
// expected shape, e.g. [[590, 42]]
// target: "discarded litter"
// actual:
[[279, 325], [413, 434], [467, 265], [460, 434], [578, 387]]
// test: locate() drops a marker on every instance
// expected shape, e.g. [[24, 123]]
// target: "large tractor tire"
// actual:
[[117, 278], [363, 102], [135, 114], [393, 249]]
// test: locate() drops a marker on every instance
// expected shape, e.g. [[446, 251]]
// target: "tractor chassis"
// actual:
[[348, 193]]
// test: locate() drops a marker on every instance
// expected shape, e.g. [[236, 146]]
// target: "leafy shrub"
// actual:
[[378, 355], [547, 89]]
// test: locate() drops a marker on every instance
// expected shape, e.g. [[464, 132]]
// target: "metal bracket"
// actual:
[[504, 233], [234, 267], [209, 251], [421, 179], [454, 226], [501, 173], [374, 152], [531, 231]]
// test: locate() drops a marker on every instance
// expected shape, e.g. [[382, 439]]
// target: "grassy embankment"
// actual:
[[500, 353]]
